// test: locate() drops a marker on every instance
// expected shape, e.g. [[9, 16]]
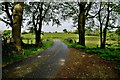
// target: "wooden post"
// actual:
[[27, 41], [31, 41]]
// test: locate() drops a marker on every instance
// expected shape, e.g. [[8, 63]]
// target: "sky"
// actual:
[[46, 28]]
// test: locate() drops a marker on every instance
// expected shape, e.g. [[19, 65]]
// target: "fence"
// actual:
[[28, 40], [25, 40]]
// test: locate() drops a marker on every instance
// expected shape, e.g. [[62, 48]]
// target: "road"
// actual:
[[45, 64]]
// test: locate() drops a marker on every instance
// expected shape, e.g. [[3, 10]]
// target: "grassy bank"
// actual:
[[107, 54], [29, 50]]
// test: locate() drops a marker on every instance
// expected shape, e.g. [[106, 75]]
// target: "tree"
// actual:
[[84, 9], [78, 11], [65, 30], [41, 12], [105, 16], [56, 32], [38, 16], [16, 28], [14, 12]]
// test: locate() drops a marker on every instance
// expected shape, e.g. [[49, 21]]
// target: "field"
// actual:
[[91, 41]]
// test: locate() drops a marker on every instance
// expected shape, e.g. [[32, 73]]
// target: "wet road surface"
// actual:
[[46, 64]]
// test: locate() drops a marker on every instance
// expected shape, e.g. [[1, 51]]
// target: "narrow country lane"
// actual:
[[58, 62], [46, 64]]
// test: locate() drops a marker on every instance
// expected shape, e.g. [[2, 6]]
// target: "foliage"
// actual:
[[49, 12], [6, 33], [78, 46], [74, 45], [76, 31], [8, 49], [55, 31], [118, 31], [105, 17], [106, 54], [40, 13], [65, 30], [117, 68]]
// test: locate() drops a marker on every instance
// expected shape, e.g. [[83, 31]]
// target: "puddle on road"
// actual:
[[62, 62], [39, 56], [18, 67]]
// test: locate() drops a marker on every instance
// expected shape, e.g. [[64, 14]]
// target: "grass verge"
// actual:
[[106, 54], [29, 50]]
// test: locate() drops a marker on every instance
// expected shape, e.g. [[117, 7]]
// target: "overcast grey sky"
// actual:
[[46, 28]]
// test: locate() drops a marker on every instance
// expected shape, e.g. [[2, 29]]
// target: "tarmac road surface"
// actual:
[[45, 64]]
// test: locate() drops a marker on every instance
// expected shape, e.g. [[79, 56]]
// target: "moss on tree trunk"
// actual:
[[17, 21]]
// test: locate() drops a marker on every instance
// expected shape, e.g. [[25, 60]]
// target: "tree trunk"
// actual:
[[81, 23], [101, 45], [104, 38], [16, 29], [101, 34], [38, 35], [40, 28], [37, 38], [105, 29]]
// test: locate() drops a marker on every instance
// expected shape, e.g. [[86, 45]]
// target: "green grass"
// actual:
[[91, 41], [30, 50], [103, 53], [7, 60], [59, 35], [29, 35]]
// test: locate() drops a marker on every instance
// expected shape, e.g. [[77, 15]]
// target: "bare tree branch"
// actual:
[[5, 21], [96, 13], [88, 8], [103, 19], [46, 11]]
